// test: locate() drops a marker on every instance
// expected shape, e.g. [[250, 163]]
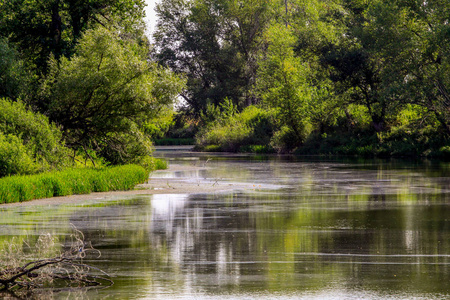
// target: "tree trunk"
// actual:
[[56, 28]]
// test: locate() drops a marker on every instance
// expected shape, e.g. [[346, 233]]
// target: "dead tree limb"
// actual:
[[67, 266]]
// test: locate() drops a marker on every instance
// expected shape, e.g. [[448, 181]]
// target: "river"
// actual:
[[303, 228]]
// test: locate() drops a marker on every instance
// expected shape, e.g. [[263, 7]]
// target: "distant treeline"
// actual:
[[311, 76], [328, 76]]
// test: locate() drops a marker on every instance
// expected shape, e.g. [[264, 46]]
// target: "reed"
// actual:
[[70, 182]]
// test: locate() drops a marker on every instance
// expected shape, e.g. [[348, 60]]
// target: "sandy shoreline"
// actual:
[[157, 184]]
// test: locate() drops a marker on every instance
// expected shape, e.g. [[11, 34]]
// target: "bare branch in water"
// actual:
[[20, 270]]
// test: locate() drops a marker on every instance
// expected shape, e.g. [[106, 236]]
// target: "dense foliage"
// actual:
[[41, 28], [311, 76], [77, 85], [105, 93], [28, 142], [346, 76], [232, 131]]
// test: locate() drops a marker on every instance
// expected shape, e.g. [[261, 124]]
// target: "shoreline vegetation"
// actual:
[[90, 90], [365, 78], [158, 183], [255, 130], [77, 181]]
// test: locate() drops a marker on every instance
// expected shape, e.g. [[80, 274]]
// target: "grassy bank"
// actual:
[[72, 181]]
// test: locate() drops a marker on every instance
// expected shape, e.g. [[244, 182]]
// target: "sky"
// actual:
[[150, 18]]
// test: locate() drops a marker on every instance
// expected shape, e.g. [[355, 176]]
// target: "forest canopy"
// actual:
[[345, 76]]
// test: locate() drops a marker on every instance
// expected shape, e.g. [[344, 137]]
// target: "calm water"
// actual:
[[309, 229]]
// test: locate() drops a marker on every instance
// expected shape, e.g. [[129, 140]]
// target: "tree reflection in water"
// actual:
[[322, 230]]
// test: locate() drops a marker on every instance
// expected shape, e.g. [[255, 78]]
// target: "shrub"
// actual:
[[284, 139], [28, 141], [159, 164], [184, 127], [14, 157], [126, 148], [233, 131], [228, 136], [152, 164]]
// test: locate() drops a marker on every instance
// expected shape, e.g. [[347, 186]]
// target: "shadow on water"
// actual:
[[334, 229]]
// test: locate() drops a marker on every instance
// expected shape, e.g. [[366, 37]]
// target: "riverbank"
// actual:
[[67, 182], [158, 183]]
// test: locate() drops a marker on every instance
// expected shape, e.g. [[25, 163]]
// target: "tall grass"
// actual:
[[70, 182]]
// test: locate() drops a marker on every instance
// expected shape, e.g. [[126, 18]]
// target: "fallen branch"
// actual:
[[66, 266]]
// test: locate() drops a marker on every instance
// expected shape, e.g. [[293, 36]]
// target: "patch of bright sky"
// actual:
[[150, 16], [150, 19]]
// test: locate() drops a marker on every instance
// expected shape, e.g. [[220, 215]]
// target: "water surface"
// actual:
[[308, 229]]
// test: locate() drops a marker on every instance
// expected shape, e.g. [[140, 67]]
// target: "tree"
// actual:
[[104, 94], [41, 28], [315, 25], [356, 67], [215, 43], [14, 80], [291, 78], [283, 82], [414, 40]]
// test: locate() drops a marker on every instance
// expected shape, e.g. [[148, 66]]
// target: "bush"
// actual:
[[29, 143], [184, 127], [152, 164], [404, 139], [14, 157], [71, 181], [233, 131], [229, 137], [284, 139]]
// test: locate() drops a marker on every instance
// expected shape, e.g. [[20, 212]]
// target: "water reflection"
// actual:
[[335, 230], [225, 237]]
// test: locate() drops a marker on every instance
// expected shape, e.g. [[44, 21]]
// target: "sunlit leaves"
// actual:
[[105, 92], [413, 39], [284, 80], [28, 142]]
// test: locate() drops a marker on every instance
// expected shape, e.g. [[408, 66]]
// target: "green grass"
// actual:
[[72, 181], [159, 164]]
